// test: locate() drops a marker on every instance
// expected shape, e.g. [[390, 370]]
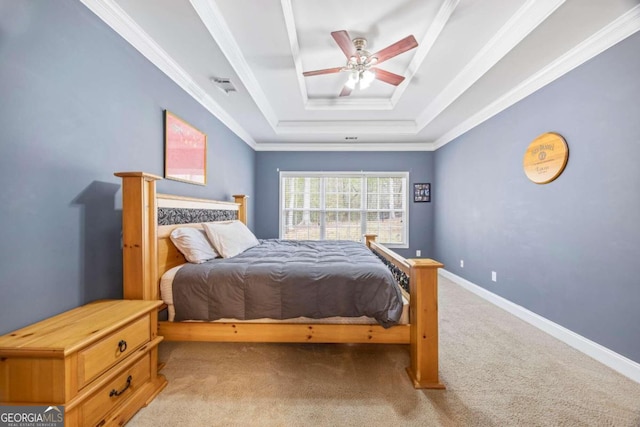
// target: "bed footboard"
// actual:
[[422, 275]]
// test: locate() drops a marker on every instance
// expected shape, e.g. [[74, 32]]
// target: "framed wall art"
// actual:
[[185, 157], [421, 192]]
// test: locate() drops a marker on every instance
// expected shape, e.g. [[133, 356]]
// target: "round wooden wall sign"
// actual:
[[545, 158]]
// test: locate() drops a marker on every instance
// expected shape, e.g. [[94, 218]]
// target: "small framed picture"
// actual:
[[422, 192]]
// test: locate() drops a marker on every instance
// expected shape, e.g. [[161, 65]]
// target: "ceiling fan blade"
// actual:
[[388, 77], [346, 91], [324, 71], [345, 43], [395, 49]]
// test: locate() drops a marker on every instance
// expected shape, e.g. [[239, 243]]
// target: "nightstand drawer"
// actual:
[[96, 359], [115, 392]]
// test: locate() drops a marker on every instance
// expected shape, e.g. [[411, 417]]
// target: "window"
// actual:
[[344, 206]]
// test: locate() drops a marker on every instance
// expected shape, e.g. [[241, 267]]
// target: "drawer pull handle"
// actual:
[[122, 346], [115, 392]]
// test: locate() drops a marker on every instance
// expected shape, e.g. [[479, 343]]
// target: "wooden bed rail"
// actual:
[[389, 255], [147, 254]]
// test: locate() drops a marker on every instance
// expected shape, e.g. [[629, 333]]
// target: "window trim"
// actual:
[[348, 174]]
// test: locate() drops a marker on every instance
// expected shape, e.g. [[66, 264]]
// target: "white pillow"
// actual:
[[193, 244], [230, 238]]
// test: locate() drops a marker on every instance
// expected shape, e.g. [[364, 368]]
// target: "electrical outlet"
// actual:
[[461, 263], [418, 252], [494, 276]]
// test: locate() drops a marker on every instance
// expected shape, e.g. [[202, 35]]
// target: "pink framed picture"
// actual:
[[185, 151]]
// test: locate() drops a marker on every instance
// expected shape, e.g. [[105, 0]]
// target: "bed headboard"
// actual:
[[147, 221]]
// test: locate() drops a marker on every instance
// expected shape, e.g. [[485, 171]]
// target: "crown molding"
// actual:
[[615, 32], [431, 36], [212, 18], [343, 146], [116, 18], [287, 12], [358, 127], [346, 103], [526, 19]]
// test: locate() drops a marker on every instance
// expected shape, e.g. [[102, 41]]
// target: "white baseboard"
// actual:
[[615, 361]]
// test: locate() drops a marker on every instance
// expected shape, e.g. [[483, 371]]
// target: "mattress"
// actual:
[[166, 293]]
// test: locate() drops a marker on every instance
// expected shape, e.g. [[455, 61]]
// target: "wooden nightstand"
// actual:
[[100, 361]]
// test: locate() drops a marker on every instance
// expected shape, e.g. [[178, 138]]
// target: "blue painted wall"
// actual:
[[78, 103], [569, 250], [418, 164]]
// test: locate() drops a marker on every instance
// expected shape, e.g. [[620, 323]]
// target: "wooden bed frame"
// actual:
[[148, 253]]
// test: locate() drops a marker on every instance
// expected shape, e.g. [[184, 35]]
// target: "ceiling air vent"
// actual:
[[224, 84]]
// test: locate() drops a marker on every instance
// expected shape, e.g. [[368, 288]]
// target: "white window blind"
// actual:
[[344, 206]]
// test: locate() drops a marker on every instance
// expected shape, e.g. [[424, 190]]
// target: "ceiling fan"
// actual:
[[362, 65]]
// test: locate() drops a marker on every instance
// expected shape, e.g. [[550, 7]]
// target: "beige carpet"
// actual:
[[499, 371]]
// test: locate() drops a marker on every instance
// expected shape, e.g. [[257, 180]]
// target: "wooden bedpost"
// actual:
[[241, 199], [139, 235], [368, 238], [423, 310], [423, 313]]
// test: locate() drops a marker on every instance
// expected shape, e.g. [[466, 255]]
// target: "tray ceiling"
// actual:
[[473, 60]]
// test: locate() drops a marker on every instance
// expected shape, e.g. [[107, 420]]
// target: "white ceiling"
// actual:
[[474, 59]]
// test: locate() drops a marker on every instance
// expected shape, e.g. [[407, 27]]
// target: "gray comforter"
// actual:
[[283, 279]]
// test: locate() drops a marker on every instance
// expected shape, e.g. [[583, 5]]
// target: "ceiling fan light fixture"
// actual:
[[366, 77], [362, 65], [352, 80]]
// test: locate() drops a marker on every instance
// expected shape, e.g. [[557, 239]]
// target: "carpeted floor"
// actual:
[[499, 371]]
